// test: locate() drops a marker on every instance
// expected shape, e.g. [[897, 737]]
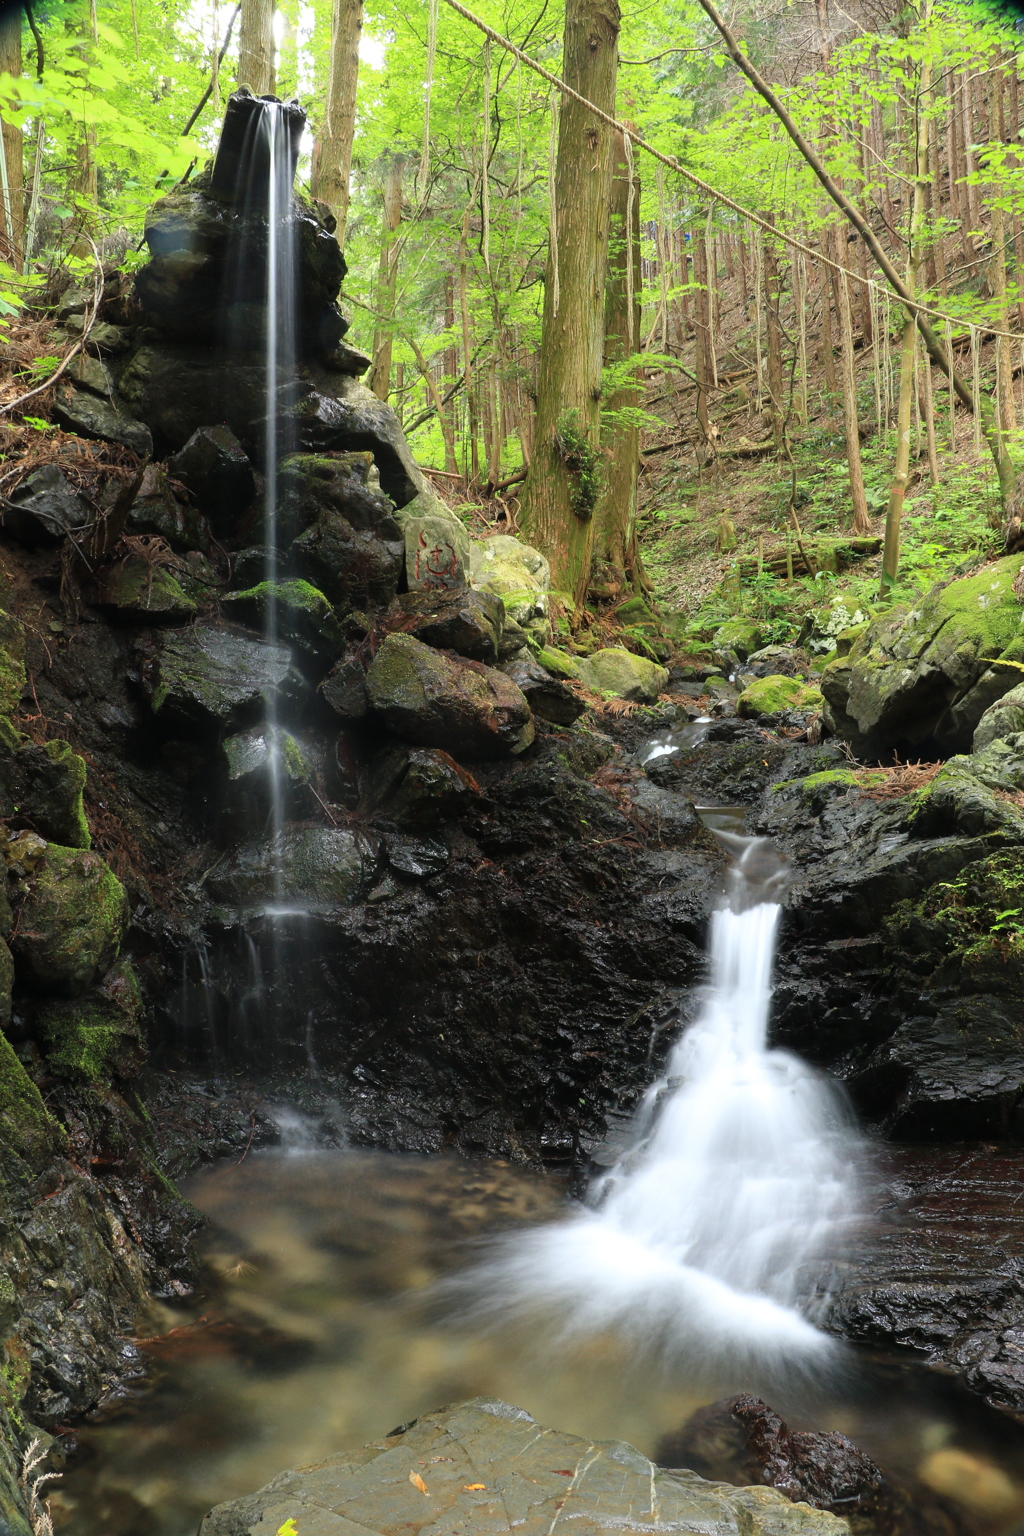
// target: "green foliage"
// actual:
[[583, 461]]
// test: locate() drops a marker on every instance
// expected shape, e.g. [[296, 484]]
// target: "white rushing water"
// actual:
[[709, 1238]]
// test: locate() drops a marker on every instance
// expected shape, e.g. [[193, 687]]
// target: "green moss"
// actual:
[[13, 680], [583, 462], [293, 594], [27, 1126], [72, 920], [973, 925], [73, 773], [134, 586], [558, 663], [96, 1038], [776, 694], [295, 763]]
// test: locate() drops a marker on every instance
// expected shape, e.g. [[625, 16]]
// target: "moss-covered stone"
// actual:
[[433, 700], [44, 784], [776, 695], [740, 636], [303, 615], [1003, 718], [972, 795], [13, 680], [515, 572], [71, 922], [207, 676], [971, 927], [96, 1037], [558, 663], [618, 672], [927, 674], [136, 589], [26, 1125]]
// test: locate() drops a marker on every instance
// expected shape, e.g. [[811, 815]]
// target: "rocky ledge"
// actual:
[[488, 1468]]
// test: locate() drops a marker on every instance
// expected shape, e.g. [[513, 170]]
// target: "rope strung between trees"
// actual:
[[703, 186]]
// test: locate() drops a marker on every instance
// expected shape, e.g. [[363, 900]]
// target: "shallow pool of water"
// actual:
[[318, 1339]]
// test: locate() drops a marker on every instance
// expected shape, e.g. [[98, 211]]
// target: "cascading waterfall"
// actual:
[[708, 1240]]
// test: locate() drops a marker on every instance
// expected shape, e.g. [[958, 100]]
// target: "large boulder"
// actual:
[[774, 695], [157, 510], [418, 788], [623, 675], [550, 698], [137, 588], [311, 485], [435, 700], [354, 567], [920, 679], [488, 1468], [96, 1037], [255, 769], [71, 921], [195, 236], [462, 620], [204, 676], [515, 572]]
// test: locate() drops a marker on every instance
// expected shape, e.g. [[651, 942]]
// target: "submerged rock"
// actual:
[[923, 677], [487, 1467], [72, 918], [434, 700]]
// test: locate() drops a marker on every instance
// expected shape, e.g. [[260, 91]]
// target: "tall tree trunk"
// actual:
[[387, 277], [82, 184], [615, 514], [828, 357], [256, 46], [332, 151], [701, 332], [557, 504], [772, 302], [858, 497], [13, 166]]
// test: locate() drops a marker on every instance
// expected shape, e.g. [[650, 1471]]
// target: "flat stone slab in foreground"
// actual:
[[483, 1467]]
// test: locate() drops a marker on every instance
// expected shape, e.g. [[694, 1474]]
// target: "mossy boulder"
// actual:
[[434, 700], [618, 672], [44, 784], [513, 571], [345, 539], [1003, 718], [738, 635], [96, 1038], [136, 589], [921, 678], [777, 695], [312, 485], [71, 921], [13, 680], [558, 663], [973, 795], [157, 510], [437, 546], [253, 767], [303, 615], [205, 676], [26, 1127]]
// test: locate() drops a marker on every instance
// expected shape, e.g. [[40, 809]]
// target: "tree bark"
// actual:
[[82, 183], [387, 277], [256, 47], [701, 333], [556, 504], [772, 301], [332, 151], [861, 520], [13, 143], [615, 513]]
